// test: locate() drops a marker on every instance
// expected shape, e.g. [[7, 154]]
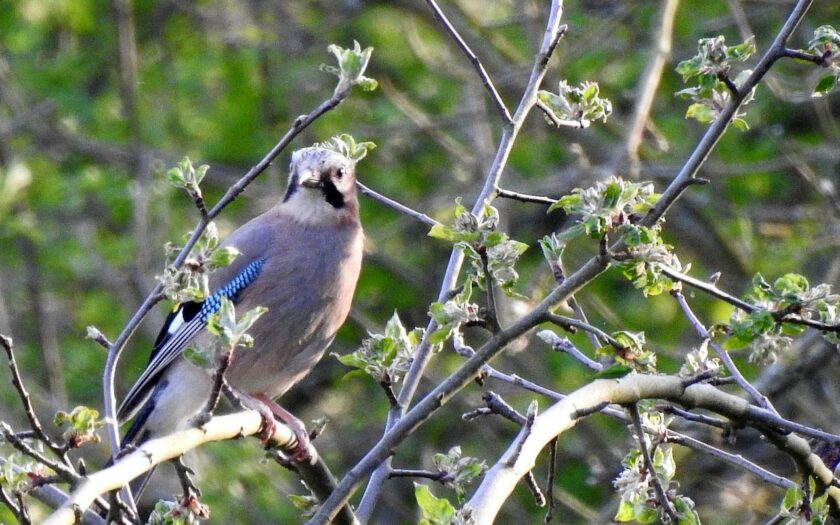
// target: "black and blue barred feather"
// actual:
[[179, 329]]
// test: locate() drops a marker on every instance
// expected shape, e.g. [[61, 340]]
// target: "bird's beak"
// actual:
[[310, 179]]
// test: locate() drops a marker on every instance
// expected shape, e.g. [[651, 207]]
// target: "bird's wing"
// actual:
[[189, 318]]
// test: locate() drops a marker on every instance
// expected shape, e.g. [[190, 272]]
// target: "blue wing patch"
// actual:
[[179, 329]]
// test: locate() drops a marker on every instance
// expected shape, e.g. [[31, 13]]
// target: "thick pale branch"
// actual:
[[156, 451], [502, 478]]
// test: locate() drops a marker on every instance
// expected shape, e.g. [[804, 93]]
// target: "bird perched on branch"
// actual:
[[301, 260]]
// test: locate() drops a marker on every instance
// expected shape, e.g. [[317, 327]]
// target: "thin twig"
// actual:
[[225, 360], [524, 197], [730, 365], [492, 316], [782, 316], [733, 459], [497, 405], [388, 387], [26, 401], [709, 288], [654, 479], [439, 476], [185, 474], [820, 60], [564, 322], [691, 416], [95, 335], [479, 67], [563, 345], [534, 487], [730, 85], [549, 481], [402, 208]]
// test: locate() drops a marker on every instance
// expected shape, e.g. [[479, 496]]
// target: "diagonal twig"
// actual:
[[479, 67]]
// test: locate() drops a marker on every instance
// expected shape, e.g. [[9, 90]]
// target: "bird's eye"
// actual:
[[339, 174]]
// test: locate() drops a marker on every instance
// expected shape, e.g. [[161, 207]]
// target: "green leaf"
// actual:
[[741, 124], [742, 51], [611, 194], [825, 85], [625, 512], [436, 511], [448, 233], [347, 146], [792, 283], [684, 507], [792, 499], [700, 112], [224, 256], [562, 202], [570, 233]]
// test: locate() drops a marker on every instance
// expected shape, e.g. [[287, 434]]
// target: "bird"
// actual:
[[301, 260]]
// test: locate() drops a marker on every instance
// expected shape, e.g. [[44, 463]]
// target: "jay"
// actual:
[[301, 260]]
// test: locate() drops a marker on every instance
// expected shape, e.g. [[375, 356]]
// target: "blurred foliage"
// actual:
[[85, 210]]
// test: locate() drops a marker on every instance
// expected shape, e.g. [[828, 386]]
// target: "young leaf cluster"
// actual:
[[458, 471], [798, 507], [711, 67], [635, 487], [698, 361], [386, 357], [228, 331], [576, 104], [307, 504], [187, 511], [346, 145], [647, 254], [352, 64], [82, 423], [190, 282], [632, 354], [826, 44], [488, 250], [187, 177], [453, 313], [789, 299], [18, 474], [605, 206]]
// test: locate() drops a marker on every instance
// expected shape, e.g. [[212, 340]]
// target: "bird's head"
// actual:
[[322, 186]]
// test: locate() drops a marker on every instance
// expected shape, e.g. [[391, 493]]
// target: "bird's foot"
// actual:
[[302, 452]]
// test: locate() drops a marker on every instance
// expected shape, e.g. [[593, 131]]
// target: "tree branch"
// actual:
[[156, 451], [479, 67], [500, 480], [730, 365], [654, 479], [423, 354]]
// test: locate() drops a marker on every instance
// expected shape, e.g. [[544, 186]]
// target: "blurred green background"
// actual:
[[87, 132]]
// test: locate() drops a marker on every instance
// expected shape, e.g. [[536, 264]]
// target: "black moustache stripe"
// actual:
[[294, 182], [332, 195]]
